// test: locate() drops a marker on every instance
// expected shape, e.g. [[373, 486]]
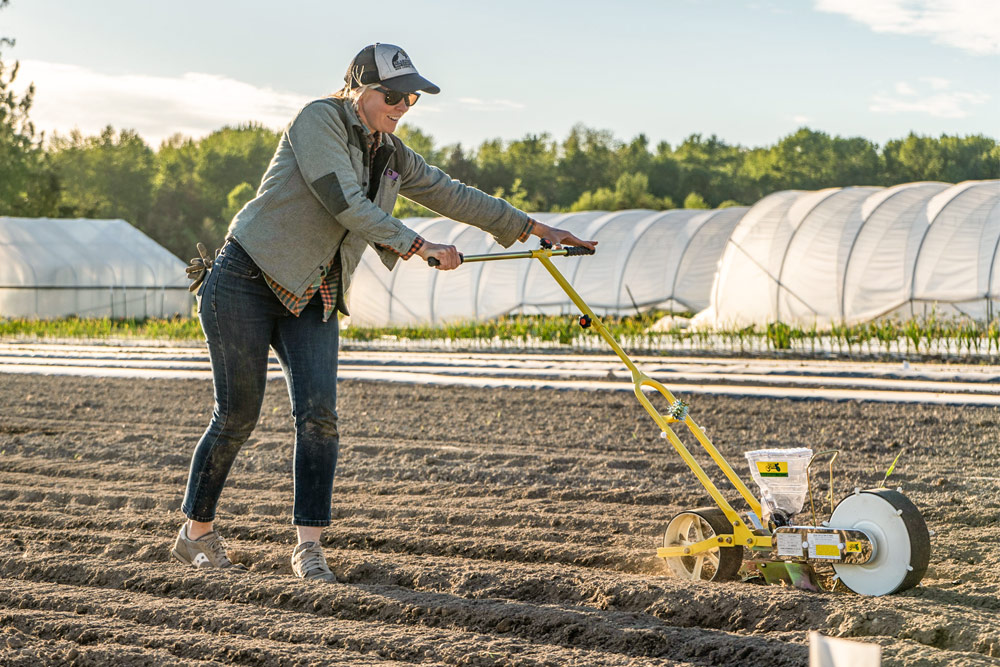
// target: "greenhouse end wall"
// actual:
[[53, 268]]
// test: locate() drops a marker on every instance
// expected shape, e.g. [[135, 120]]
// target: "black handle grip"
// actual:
[[433, 261], [578, 250]]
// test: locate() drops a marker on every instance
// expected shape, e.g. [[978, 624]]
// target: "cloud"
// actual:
[[193, 104], [936, 82], [970, 25], [936, 99]]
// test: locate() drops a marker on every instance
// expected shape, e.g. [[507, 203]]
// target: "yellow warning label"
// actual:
[[853, 546], [828, 550], [772, 468]]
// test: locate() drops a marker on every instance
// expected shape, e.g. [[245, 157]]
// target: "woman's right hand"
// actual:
[[446, 254]]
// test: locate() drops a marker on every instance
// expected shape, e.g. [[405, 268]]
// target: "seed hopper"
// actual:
[[876, 540]]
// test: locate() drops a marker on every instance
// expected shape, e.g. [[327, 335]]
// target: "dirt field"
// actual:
[[471, 527]]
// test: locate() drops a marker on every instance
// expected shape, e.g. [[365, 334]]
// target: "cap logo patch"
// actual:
[[401, 61]]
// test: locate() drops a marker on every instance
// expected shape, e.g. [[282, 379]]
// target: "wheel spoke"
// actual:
[[698, 534], [685, 530], [698, 563]]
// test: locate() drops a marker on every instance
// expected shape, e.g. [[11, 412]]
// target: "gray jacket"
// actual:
[[314, 200]]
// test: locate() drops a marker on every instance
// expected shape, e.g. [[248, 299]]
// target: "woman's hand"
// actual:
[[560, 237], [446, 254]]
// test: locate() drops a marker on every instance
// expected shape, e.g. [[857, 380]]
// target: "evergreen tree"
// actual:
[[27, 186], [586, 162]]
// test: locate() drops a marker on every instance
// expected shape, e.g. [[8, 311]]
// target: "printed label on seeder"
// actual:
[[789, 544], [824, 546], [772, 468]]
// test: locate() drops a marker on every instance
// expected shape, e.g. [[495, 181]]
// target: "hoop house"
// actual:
[[646, 259], [90, 268], [855, 254]]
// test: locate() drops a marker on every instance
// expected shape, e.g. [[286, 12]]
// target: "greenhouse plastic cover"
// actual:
[[840, 255], [645, 259], [91, 268], [849, 255]]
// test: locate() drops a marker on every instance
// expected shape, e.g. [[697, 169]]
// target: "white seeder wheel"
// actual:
[[900, 539], [693, 526]]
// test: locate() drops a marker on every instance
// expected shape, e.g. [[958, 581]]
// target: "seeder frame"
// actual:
[[876, 540], [756, 538]]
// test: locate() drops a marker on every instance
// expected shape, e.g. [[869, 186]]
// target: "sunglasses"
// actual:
[[393, 97]]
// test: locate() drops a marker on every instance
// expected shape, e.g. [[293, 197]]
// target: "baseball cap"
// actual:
[[388, 65]]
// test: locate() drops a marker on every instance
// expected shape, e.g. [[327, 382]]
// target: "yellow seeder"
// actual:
[[876, 540]]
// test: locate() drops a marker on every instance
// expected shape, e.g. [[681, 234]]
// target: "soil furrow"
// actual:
[[470, 527], [628, 635], [196, 640]]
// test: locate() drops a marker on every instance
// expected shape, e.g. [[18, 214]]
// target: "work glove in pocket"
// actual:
[[199, 267]]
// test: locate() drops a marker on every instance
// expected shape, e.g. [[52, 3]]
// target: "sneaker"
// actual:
[[207, 551], [308, 562]]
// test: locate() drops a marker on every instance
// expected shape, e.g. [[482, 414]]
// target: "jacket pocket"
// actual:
[[244, 268], [388, 191]]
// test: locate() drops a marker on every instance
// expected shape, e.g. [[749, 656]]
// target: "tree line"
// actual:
[[187, 190]]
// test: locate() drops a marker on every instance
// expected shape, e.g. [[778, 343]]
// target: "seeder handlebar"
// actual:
[[528, 254]]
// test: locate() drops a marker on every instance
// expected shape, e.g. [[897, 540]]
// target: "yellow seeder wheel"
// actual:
[[693, 526]]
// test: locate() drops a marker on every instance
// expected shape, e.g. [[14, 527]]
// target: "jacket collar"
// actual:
[[359, 127], [355, 121], [352, 115]]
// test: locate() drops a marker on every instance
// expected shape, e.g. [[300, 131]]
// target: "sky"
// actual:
[[747, 71]]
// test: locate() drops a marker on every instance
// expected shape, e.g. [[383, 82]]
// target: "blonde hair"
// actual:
[[353, 97], [353, 94]]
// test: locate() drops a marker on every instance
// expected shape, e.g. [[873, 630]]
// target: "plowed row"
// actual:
[[471, 527]]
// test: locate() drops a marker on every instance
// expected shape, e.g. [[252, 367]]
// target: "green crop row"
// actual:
[[177, 328], [557, 329], [933, 335]]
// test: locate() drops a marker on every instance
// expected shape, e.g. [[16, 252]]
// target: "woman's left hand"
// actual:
[[560, 237]]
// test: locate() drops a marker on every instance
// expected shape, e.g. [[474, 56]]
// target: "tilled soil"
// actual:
[[471, 527]]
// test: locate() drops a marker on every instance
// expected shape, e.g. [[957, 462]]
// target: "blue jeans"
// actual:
[[242, 318]]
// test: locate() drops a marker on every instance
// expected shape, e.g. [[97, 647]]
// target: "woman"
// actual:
[[285, 269]]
